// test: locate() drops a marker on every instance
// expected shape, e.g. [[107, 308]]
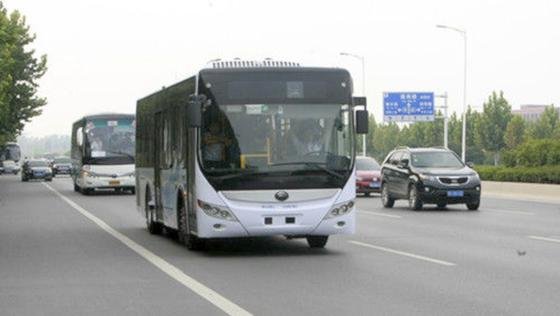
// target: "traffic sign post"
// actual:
[[408, 106]]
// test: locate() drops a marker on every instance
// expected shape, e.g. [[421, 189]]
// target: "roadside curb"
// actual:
[[534, 192]]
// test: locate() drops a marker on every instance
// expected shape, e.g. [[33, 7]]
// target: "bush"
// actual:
[[544, 174], [533, 153]]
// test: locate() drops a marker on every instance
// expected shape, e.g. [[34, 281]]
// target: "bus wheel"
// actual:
[[317, 241], [191, 241], [151, 222], [76, 188]]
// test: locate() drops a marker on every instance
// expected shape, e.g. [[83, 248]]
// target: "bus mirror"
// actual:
[[362, 122], [359, 101], [79, 137], [194, 110]]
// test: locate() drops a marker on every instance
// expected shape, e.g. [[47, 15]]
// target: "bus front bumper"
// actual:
[[274, 225]]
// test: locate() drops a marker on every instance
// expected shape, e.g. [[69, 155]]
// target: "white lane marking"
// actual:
[[544, 239], [402, 253], [507, 212], [210, 295], [379, 214]]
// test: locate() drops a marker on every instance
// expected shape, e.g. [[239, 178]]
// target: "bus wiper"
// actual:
[[311, 164], [122, 153], [239, 174]]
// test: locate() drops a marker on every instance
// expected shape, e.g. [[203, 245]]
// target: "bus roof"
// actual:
[[106, 115]]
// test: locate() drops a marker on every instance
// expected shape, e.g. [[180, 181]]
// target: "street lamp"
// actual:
[[464, 134], [362, 60]]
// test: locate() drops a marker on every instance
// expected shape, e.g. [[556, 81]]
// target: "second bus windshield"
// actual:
[[110, 138]]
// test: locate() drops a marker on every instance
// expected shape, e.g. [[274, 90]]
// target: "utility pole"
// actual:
[[445, 119], [362, 60], [463, 33]]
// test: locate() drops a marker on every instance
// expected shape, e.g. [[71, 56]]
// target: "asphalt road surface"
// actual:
[[67, 254]]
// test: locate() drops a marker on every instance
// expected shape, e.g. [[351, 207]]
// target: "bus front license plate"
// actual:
[[114, 182]]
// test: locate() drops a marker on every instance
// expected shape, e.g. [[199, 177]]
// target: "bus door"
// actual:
[[159, 161]]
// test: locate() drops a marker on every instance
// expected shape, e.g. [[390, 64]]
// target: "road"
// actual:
[[57, 257]]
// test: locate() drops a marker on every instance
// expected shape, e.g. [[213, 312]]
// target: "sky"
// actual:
[[104, 55]]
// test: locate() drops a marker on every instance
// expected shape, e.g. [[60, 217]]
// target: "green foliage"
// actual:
[[515, 132], [537, 152], [544, 174], [20, 71], [548, 125], [493, 123]]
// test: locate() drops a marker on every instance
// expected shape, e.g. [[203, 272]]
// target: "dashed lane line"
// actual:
[[402, 253], [378, 214], [545, 239], [205, 292]]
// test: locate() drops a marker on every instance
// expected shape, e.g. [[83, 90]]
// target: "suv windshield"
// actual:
[[62, 160], [37, 163], [436, 159], [367, 164]]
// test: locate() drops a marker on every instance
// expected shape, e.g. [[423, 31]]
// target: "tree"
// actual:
[[515, 132], [20, 71], [493, 123], [547, 124]]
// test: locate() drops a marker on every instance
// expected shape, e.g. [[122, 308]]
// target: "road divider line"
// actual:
[[507, 212], [378, 214], [205, 292], [545, 239], [402, 253]]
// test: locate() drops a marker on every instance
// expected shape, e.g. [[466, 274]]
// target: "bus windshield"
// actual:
[[245, 146], [10, 152], [110, 140]]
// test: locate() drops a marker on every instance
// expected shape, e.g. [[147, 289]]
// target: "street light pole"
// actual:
[[362, 60], [464, 133]]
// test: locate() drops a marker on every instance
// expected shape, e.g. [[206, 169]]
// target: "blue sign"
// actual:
[[408, 106]]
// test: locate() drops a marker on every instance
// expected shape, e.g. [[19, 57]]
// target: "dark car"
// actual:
[[428, 176], [61, 165], [368, 175], [36, 169]]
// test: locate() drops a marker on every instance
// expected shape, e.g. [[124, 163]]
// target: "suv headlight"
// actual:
[[427, 177], [340, 209], [220, 212]]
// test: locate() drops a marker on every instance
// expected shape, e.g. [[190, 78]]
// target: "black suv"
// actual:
[[428, 176]]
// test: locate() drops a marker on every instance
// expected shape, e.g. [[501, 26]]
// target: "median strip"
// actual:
[[544, 239], [402, 253], [205, 292]]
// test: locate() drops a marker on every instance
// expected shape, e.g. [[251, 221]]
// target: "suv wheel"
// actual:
[[473, 206], [387, 201], [414, 201]]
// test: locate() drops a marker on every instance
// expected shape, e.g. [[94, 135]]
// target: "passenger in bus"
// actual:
[[216, 145], [307, 138]]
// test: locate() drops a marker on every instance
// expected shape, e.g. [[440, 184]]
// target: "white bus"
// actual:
[[246, 148], [10, 153], [103, 153]]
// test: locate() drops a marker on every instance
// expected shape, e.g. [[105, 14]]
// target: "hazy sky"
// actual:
[[104, 55]]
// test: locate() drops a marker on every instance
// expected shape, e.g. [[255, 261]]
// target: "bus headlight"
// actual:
[[340, 209], [85, 174], [219, 212]]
